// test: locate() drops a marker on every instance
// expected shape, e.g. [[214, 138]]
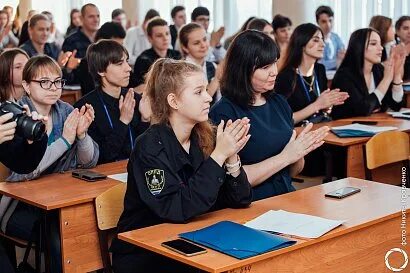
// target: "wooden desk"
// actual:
[[70, 96], [353, 145], [74, 199], [372, 228]]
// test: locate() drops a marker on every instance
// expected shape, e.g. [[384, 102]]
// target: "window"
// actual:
[[351, 15]]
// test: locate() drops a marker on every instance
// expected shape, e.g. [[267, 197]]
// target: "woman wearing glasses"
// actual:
[[69, 146]]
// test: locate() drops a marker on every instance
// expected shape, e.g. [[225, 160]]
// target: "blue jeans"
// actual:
[[23, 224]]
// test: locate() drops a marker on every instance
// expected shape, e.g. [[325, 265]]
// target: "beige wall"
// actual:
[[25, 7], [131, 8], [299, 11]]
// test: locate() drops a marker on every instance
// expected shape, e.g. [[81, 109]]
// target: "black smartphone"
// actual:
[[343, 192], [365, 122], [88, 176], [184, 247]]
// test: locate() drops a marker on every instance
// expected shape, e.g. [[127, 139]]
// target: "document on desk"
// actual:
[[296, 224], [122, 177], [403, 113], [360, 130]]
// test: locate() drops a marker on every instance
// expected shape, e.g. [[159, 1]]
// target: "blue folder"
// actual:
[[352, 133], [236, 240]]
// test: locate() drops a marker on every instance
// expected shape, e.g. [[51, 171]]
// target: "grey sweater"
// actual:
[[57, 158]]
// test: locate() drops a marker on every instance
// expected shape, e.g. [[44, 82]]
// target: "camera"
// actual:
[[26, 127]]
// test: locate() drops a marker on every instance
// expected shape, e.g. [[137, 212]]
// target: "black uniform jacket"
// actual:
[[114, 143], [360, 102], [166, 184]]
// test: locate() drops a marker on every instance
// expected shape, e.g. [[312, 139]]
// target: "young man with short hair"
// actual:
[[334, 47], [120, 114], [200, 15], [159, 37], [178, 16], [136, 40], [119, 16], [109, 30]]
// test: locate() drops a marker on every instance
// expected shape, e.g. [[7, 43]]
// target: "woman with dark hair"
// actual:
[[372, 87], [302, 80], [403, 37], [176, 171], [384, 25], [75, 21], [11, 73], [274, 154], [262, 25], [282, 29], [229, 40]]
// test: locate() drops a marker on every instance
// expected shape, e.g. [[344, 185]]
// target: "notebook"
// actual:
[[360, 130], [296, 224], [229, 238]]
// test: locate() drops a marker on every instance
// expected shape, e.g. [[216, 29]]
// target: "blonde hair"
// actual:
[[168, 76]]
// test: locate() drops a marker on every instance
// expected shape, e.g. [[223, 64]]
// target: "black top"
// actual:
[[360, 102], [79, 41], [144, 62], [50, 49], [24, 36], [21, 157], [289, 84], [406, 75], [84, 77], [70, 30], [166, 184], [174, 35], [114, 143], [271, 129]]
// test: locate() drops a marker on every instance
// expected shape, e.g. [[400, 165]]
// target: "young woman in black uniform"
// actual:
[[302, 80], [176, 170], [372, 86]]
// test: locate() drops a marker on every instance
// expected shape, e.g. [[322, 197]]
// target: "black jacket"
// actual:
[[21, 157], [166, 184], [114, 143], [360, 102], [289, 84], [174, 35], [144, 62]]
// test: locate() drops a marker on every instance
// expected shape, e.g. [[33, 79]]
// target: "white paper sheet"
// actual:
[[366, 128], [122, 177], [403, 113], [295, 224]]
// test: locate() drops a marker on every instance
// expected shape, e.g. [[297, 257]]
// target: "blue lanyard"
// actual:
[[305, 88], [112, 126]]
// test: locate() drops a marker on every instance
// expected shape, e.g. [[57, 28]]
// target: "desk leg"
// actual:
[[45, 241], [79, 239], [362, 250], [354, 165]]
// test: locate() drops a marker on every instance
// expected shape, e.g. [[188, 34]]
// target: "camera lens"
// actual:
[[29, 128]]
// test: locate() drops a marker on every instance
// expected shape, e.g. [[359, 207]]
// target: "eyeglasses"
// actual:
[[47, 84]]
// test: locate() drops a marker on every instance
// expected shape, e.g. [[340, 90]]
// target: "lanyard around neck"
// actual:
[[107, 114], [305, 87]]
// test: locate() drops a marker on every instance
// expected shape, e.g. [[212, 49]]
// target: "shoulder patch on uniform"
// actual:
[[155, 180]]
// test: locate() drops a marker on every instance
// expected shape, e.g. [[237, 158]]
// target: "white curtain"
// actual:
[[352, 14]]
